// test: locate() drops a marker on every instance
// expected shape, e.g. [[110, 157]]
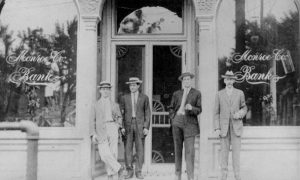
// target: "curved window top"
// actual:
[[20, 15], [153, 17], [38, 56], [151, 20], [259, 41], [249, 12]]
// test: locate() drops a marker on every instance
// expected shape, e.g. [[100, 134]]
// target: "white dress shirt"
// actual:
[[229, 91], [134, 97], [183, 100], [107, 109]]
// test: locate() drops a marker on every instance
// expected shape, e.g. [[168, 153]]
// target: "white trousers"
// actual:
[[108, 150]]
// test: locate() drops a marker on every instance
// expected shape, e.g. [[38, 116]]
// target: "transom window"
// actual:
[[148, 17]]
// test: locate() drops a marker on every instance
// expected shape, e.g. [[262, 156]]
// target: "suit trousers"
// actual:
[[235, 141], [108, 150], [133, 136], [179, 139]]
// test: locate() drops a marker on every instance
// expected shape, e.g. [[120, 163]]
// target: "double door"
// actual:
[[158, 65]]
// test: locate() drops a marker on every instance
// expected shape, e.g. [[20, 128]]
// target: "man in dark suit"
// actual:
[[184, 108], [135, 108], [2, 2]]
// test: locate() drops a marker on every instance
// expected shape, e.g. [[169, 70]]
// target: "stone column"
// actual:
[[208, 84], [90, 15], [86, 85], [207, 81]]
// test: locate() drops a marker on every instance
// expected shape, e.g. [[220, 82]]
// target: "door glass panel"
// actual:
[[166, 70], [130, 63]]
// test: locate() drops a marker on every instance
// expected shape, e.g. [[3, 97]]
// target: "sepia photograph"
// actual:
[[149, 89]]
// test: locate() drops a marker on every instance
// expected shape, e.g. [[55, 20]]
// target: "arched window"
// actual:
[[259, 41], [38, 54], [149, 17]]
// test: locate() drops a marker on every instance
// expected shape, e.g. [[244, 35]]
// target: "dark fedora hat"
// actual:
[[185, 74], [229, 74], [134, 80], [104, 84]]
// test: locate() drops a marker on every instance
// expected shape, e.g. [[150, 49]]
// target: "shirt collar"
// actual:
[[188, 89], [104, 99], [229, 90], [135, 93]]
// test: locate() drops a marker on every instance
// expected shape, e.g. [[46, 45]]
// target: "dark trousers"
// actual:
[[178, 137], [133, 136]]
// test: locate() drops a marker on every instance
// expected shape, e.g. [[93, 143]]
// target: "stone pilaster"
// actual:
[[86, 82], [205, 7], [208, 82], [208, 79], [91, 7], [87, 75]]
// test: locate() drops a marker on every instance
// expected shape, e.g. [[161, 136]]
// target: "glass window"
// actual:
[[38, 62], [259, 41], [166, 70], [130, 63], [149, 17]]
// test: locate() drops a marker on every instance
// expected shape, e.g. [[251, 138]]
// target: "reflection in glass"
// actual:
[[260, 43], [166, 70], [151, 20], [38, 62], [130, 63], [138, 17]]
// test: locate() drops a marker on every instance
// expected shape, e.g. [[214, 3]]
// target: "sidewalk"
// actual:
[[163, 173], [163, 177], [147, 177]]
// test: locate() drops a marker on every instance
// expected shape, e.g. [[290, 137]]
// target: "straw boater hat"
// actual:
[[185, 74], [229, 74], [104, 84], [134, 80]]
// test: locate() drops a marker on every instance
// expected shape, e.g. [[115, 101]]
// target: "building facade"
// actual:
[[53, 54]]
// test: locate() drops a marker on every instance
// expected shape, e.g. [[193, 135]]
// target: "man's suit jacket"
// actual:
[[225, 107], [100, 129], [193, 98], [142, 112]]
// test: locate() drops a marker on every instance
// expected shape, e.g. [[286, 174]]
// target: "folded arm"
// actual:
[[197, 108]]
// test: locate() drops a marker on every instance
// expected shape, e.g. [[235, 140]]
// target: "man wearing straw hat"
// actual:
[[230, 108], [135, 108], [105, 135], [184, 108]]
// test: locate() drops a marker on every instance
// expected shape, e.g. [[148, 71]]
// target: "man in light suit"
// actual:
[[105, 134], [230, 108], [135, 108], [184, 108]]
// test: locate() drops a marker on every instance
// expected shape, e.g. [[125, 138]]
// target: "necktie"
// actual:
[[107, 108], [229, 93], [134, 98]]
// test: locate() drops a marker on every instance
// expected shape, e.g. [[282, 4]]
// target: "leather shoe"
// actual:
[[178, 177], [139, 176], [121, 173], [129, 174], [237, 177]]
